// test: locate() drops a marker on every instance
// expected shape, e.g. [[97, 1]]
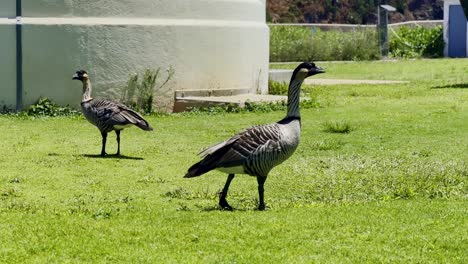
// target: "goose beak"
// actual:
[[316, 70], [75, 77]]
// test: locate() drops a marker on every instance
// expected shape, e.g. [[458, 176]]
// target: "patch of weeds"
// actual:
[[102, 214], [404, 192], [235, 108], [139, 93], [22, 206], [92, 182], [422, 153], [250, 107], [125, 199], [15, 180], [10, 192], [341, 127], [309, 103], [328, 145], [250, 202], [45, 107], [181, 193], [265, 107], [177, 193], [277, 88], [183, 207], [151, 179]]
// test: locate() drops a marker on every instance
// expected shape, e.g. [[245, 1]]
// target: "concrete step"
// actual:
[[185, 99]]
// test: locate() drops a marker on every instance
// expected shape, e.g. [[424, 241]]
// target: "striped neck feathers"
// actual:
[[87, 91], [293, 98]]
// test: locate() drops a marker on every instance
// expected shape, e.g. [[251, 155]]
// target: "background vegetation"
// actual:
[[300, 43], [293, 43], [350, 11], [417, 42], [380, 176]]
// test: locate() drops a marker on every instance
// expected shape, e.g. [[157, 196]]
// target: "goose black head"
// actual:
[[305, 70], [80, 75]]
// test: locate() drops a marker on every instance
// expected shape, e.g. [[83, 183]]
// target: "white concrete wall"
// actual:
[[7, 8], [7, 63], [210, 43]]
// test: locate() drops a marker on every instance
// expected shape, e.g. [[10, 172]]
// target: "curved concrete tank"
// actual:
[[211, 44]]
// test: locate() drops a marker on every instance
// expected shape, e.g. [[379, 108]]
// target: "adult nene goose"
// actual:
[[255, 151], [107, 115]]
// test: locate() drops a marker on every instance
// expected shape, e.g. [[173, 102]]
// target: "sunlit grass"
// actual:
[[392, 189]]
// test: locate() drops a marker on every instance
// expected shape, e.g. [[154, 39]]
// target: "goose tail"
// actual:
[[196, 170], [136, 119], [205, 165]]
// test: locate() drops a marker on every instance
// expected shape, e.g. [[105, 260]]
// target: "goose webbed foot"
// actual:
[[224, 205], [261, 207], [222, 195]]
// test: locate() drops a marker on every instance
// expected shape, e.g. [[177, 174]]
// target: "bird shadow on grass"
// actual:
[[219, 209], [452, 86], [110, 156]]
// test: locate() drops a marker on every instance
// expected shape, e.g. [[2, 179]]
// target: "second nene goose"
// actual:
[[255, 151], [107, 115]]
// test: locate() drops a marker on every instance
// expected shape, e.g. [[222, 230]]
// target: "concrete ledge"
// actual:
[[180, 94], [202, 98]]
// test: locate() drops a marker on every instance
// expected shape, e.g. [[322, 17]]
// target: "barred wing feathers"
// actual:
[[116, 114], [239, 150]]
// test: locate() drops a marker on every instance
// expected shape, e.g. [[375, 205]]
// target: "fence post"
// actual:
[[19, 58], [382, 28]]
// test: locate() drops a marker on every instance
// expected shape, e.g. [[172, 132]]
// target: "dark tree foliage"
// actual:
[[350, 11]]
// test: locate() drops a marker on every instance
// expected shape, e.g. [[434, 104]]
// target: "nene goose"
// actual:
[[107, 115], [256, 150]]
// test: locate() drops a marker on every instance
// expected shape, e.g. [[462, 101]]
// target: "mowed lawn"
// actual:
[[394, 189]]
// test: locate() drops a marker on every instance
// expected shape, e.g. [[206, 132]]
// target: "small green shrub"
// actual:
[[250, 107], [417, 42], [294, 43], [45, 107], [139, 94], [341, 127], [235, 108], [277, 88]]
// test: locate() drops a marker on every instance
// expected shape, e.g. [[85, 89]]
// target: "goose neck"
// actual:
[[87, 89], [293, 98]]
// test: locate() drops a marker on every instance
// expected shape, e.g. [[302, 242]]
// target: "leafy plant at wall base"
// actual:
[[277, 88], [140, 94], [251, 107], [45, 107]]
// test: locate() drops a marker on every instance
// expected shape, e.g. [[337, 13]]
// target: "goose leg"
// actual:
[[104, 138], [261, 204], [118, 142], [222, 197]]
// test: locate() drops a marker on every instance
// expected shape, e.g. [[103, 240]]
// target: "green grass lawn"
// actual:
[[393, 189], [445, 71]]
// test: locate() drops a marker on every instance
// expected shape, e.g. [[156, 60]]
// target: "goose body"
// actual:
[[257, 150], [107, 115]]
